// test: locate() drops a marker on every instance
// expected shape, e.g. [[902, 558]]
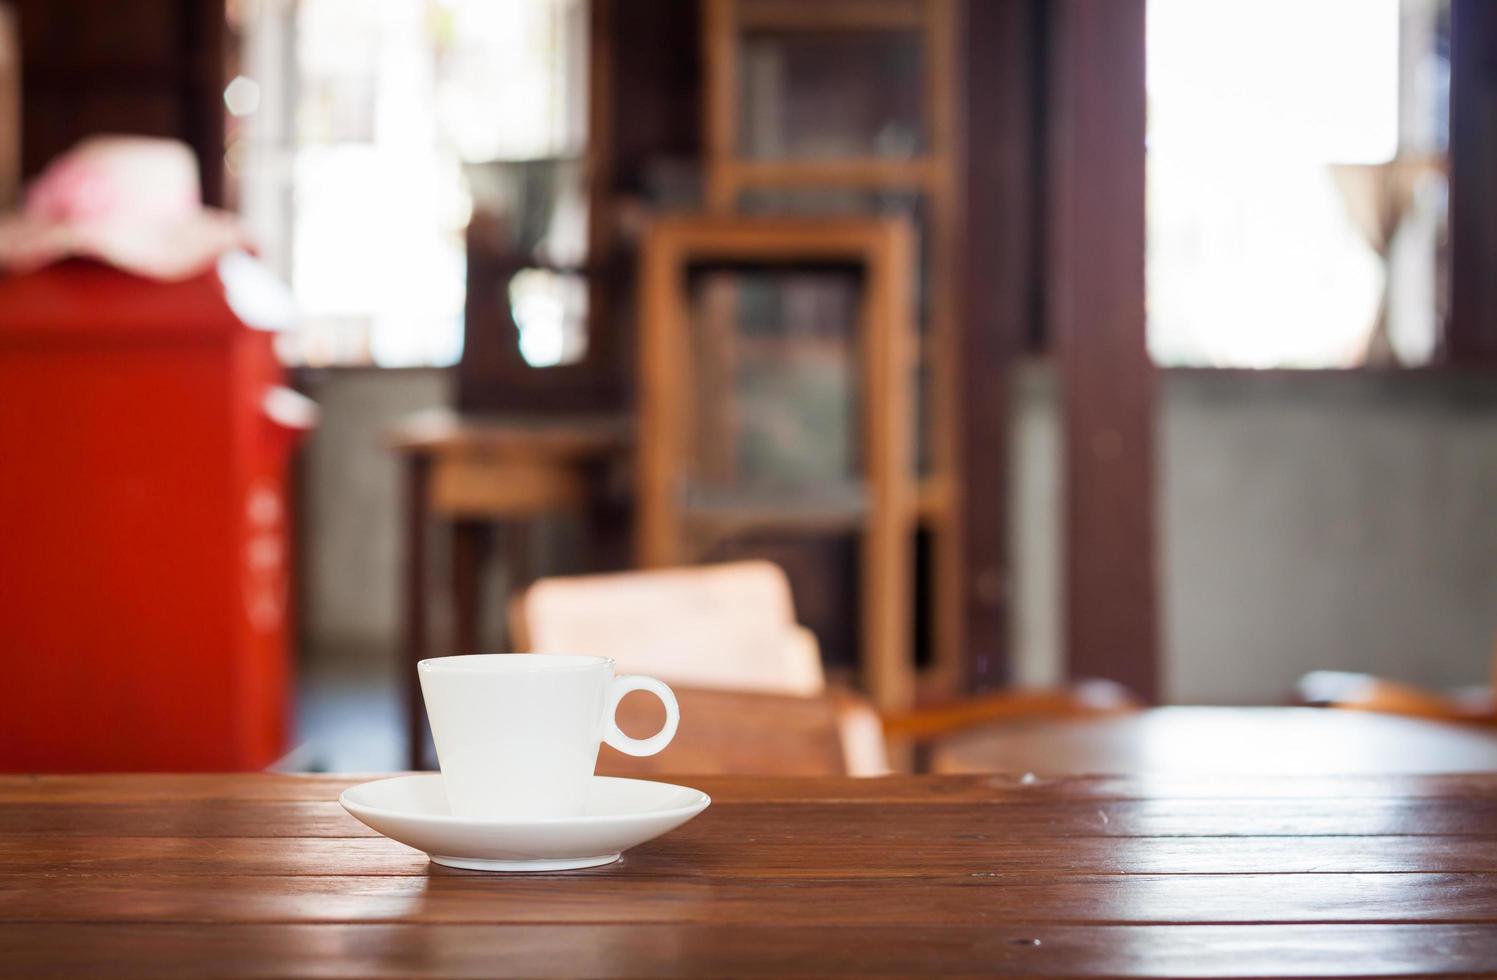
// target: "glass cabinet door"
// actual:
[[775, 375], [830, 96]]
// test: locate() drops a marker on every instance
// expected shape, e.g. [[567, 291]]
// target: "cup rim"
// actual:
[[513, 663]]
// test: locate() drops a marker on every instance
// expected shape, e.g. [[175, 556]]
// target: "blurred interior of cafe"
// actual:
[[908, 383]]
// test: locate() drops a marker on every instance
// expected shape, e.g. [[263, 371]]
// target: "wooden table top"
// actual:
[[262, 875], [1218, 741], [442, 430]]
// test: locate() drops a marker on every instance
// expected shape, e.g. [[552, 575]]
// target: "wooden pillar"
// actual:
[[145, 67], [1471, 336], [998, 264], [1095, 316]]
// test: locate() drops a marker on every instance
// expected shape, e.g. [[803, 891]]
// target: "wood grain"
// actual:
[[688, 854], [350, 950], [910, 824], [963, 899], [264, 875], [180, 788]]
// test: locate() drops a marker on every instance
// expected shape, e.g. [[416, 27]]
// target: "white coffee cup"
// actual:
[[517, 733]]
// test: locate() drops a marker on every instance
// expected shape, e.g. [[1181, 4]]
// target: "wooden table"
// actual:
[[168, 876], [1227, 741]]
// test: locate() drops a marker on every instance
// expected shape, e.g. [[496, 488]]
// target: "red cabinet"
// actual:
[[144, 554]]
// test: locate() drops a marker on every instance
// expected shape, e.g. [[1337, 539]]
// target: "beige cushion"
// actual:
[[729, 626]]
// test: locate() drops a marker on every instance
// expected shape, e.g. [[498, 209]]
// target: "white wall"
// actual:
[[1308, 521], [1341, 522], [351, 499]]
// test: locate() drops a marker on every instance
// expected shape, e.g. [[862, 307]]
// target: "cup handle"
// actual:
[[640, 746]]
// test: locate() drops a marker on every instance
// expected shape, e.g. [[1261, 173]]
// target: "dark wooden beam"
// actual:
[[1095, 310], [998, 260], [1471, 336], [145, 67]]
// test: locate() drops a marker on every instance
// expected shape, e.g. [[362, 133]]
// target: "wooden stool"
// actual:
[[475, 472]]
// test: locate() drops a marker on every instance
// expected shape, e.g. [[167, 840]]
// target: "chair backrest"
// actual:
[[729, 626], [738, 733]]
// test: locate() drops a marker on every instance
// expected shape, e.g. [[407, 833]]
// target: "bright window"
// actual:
[[353, 169], [1296, 181]]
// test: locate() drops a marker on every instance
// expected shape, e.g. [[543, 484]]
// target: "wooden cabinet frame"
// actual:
[[935, 174], [885, 518]]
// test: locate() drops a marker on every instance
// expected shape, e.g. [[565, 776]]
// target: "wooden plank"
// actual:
[[596, 899], [720, 101], [662, 343], [1115, 876], [543, 950], [886, 601], [688, 854], [572, 437], [1095, 306], [912, 825], [945, 421], [511, 487], [176, 787], [788, 240], [185, 788], [239, 856], [939, 23]]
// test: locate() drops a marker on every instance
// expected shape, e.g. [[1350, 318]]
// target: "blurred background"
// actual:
[[1147, 341]]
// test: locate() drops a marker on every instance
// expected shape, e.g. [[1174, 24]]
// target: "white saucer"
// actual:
[[621, 813]]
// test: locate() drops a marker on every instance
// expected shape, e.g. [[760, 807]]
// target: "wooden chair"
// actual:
[[1366, 692], [754, 697], [722, 626]]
